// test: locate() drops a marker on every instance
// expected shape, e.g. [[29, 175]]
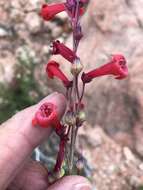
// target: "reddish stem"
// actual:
[[61, 153]]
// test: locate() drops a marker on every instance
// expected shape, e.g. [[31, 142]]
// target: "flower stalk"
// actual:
[[75, 114], [75, 26]]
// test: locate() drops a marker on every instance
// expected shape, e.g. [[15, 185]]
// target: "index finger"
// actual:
[[18, 138]]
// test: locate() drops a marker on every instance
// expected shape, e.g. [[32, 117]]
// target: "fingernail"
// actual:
[[83, 186], [50, 96]]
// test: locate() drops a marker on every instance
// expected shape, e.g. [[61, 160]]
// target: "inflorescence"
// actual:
[[75, 115]]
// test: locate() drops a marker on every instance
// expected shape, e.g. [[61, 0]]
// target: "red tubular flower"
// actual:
[[53, 70], [46, 116], [49, 11], [117, 66], [67, 53]]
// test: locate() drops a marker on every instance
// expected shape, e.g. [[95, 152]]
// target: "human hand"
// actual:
[[18, 138]]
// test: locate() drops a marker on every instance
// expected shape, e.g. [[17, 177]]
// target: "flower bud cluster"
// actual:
[[77, 119]]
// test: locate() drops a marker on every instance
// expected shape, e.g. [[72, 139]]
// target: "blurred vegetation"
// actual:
[[24, 90], [140, 188]]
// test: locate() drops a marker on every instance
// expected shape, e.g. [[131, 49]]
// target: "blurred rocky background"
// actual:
[[112, 140]]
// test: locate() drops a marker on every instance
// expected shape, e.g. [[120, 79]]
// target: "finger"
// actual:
[[20, 124], [71, 183], [18, 138], [32, 176]]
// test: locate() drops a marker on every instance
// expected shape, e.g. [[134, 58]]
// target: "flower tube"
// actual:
[[49, 11], [67, 53], [117, 67], [53, 70]]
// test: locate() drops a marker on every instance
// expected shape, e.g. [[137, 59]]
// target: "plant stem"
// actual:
[[73, 133], [72, 146], [75, 94], [83, 89], [77, 89]]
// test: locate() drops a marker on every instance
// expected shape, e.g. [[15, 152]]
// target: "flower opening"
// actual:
[[46, 116], [49, 11], [67, 53], [117, 66]]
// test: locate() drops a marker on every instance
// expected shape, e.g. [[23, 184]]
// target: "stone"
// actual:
[[7, 62], [108, 162], [62, 16], [141, 166], [56, 32], [3, 32], [128, 154], [33, 22], [17, 15]]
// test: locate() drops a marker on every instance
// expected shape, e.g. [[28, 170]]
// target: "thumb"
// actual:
[[71, 183], [18, 138], [21, 123]]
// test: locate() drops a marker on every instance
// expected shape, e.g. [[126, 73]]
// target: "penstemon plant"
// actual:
[[74, 117]]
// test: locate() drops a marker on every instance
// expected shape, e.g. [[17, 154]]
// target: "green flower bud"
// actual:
[[76, 67], [70, 118], [59, 174], [81, 117]]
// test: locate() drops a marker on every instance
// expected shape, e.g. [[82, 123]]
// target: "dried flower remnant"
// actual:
[[75, 112]]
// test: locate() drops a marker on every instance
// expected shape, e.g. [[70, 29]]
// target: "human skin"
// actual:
[[18, 138]]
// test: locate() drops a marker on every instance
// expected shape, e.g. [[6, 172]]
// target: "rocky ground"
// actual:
[[116, 151], [113, 167], [21, 26]]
